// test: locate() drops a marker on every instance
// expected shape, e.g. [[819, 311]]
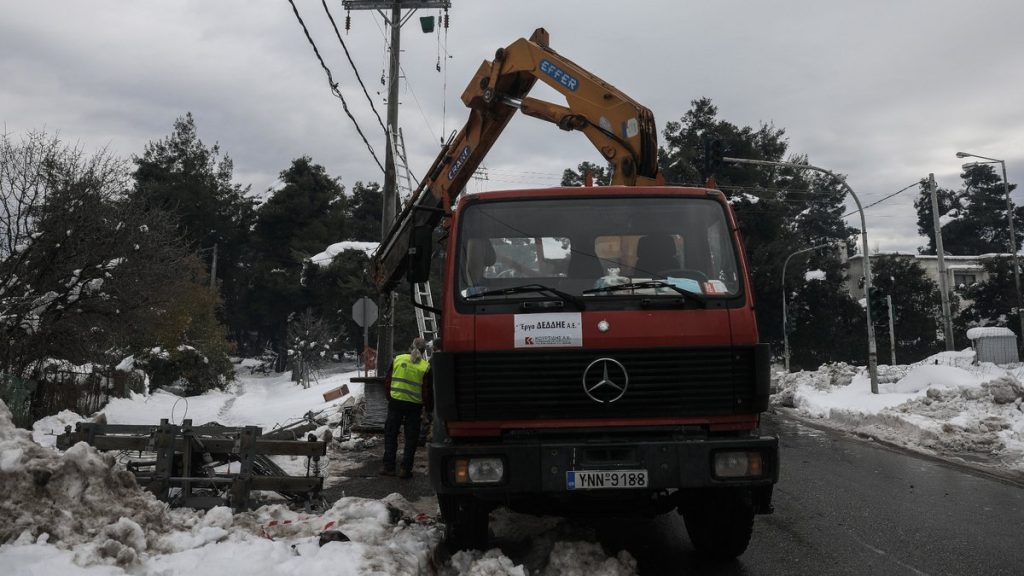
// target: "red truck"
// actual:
[[599, 349]]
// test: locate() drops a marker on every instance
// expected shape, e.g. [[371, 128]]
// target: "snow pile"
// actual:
[[76, 500], [46, 430], [543, 545], [944, 405], [271, 540]]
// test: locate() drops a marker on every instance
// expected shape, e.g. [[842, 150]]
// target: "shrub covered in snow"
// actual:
[[184, 368]]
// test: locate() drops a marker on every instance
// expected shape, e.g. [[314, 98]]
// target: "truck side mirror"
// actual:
[[419, 254]]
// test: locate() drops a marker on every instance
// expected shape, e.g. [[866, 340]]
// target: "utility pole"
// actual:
[[213, 270], [892, 332], [386, 324], [947, 322]]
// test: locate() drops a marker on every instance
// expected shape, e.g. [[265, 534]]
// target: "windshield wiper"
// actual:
[[528, 288], [699, 298]]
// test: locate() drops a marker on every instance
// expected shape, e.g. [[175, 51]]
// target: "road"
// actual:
[[843, 505], [846, 505]]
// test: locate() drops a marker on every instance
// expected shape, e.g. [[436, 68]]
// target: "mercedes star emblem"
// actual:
[[605, 380]]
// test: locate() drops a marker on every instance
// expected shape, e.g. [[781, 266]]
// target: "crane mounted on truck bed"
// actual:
[[621, 129], [600, 350]]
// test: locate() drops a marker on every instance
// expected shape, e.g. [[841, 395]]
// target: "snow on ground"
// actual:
[[81, 513], [268, 401], [944, 406]]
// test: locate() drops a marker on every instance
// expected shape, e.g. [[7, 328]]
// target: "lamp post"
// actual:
[[1013, 236], [785, 323], [872, 348]]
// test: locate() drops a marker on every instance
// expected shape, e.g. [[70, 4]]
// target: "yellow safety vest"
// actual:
[[407, 378]]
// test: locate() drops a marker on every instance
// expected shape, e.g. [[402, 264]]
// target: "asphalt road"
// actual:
[[843, 505]]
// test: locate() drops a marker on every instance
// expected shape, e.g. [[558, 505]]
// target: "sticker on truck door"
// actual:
[[548, 330]]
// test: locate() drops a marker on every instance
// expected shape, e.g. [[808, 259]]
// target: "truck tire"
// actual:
[[465, 519], [720, 524]]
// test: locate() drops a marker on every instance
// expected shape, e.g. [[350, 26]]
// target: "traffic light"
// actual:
[[879, 305], [714, 151]]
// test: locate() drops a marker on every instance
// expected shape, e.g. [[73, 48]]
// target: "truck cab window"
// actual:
[[581, 244]]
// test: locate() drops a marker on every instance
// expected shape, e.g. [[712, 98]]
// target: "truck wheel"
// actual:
[[720, 525], [465, 519]]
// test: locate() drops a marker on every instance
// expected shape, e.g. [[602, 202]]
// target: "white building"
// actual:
[[962, 271]]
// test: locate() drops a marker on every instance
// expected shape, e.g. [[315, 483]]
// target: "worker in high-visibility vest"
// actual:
[[408, 389]]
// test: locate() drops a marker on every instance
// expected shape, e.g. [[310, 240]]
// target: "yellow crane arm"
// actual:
[[621, 129]]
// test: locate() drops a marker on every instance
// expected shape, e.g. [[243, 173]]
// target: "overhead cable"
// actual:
[[334, 85], [353, 64], [876, 203]]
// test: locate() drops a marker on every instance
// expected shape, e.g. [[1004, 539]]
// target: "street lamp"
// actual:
[[872, 348], [785, 323], [1013, 236]]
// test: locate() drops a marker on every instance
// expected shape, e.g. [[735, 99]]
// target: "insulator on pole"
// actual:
[[446, 18], [348, 21]]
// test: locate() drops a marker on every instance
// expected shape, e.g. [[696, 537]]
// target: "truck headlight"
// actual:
[[490, 470], [738, 464]]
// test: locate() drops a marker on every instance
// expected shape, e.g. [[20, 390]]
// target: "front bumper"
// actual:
[[539, 468]]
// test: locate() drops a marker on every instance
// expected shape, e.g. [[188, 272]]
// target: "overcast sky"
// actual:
[[883, 91]]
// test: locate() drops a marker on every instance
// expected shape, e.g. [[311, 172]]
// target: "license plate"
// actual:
[[605, 479]]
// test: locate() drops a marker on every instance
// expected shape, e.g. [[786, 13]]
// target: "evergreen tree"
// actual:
[[601, 174], [299, 220], [992, 302], [364, 212], [925, 221], [780, 210], [825, 325], [916, 308], [973, 218], [181, 175]]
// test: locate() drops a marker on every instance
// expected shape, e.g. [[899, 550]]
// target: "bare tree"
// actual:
[[83, 267]]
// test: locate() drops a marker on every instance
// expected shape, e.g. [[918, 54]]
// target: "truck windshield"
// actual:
[[586, 246]]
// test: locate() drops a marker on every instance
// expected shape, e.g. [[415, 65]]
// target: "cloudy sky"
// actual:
[[883, 91]]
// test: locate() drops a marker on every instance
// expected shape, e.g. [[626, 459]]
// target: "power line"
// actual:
[[408, 84], [876, 203], [334, 85], [353, 64]]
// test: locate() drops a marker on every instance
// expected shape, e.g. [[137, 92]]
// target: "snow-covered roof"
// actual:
[[324, 258], [970, 258], [814, 275], [988, 332]]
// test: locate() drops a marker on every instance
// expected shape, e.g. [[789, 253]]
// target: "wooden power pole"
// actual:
[[395, 19]]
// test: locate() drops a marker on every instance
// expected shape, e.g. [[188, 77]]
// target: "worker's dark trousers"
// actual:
[[407, 415]]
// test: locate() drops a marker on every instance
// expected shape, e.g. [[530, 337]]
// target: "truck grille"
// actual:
[[548, 385]]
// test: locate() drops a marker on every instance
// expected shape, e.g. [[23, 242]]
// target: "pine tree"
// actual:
[[992, 302], [973, 218], [780, 210], [825, 324], [364, 209], [601, 174], [181, 175], [916, 308], [302, 218]]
